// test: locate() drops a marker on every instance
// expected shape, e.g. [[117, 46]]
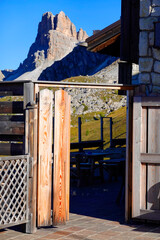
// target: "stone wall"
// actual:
[[149, 60]]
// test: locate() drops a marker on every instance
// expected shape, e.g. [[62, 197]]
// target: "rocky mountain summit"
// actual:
[[56, 37]]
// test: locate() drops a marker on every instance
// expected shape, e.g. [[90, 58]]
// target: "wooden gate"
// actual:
[[61, 161], [146, 158]]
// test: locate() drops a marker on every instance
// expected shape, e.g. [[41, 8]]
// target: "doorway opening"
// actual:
[[98, 154]]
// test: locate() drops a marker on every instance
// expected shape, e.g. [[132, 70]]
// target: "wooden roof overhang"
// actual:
[[106, 41]]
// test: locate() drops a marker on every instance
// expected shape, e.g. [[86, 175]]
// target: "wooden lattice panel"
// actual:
[[13, 190]]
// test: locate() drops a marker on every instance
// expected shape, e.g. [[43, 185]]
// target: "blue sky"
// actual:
[[19, 22]]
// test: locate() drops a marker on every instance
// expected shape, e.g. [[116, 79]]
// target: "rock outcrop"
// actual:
[[1, 76], [78, 62], [56, 37]]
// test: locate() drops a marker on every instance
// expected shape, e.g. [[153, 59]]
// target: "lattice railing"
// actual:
[[14, 174]]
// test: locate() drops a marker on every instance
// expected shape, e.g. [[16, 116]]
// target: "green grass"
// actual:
[[91, 128]]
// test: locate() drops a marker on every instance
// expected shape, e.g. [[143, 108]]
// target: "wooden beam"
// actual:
[[105, 44], [11, 107], [150, 158], [128, 165], [12, 118], [84, 85], [11, 89], [11, 128], [150, 102], [11, 149]]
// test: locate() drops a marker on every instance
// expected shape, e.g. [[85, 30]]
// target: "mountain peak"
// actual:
[[56, 37]]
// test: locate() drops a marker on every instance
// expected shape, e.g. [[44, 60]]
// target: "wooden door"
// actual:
[[146, 158], [44, 158], [61, 176]]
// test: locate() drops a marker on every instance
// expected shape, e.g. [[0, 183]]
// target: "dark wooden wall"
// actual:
[[130, 31], [11, 120]]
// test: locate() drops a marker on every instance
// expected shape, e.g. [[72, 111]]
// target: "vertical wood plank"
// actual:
[[66, 140], [137, 116], [31, 113], [61, 158], [44, 157], [143, 169], [128, 175], [153, 178]]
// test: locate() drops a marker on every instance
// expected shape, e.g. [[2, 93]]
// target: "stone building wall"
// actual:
[[149, 60]]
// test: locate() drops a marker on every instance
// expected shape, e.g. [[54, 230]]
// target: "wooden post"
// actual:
[[128, 171], [102, 131], [111, 131], [61, 178], [31, 148], [80, 133], [45, 158]]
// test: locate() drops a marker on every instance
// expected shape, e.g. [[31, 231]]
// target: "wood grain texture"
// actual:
[[31, 149], [61, 157], [151, 158], [153, 184], [44, 158], [143, 170], [137, 116]]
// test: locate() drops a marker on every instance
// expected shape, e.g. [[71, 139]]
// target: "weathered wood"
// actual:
[[12, 118], [153, 177], [11, 149], [150, 102], [32, 150], [143, 170], [137, 116], [130, 30], [66, 153], [31, 115], [83, 85], [61, 148], [11, 128], [44, 158], [150, 158], [28, 94], [11, 89], [11, 107], [128, 175], [124, 74]]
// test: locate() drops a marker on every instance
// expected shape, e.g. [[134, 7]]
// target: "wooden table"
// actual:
[[86, 160]]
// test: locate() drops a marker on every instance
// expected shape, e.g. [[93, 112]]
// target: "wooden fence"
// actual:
[[26, 129]]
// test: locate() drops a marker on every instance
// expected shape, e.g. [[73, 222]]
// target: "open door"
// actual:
[[146, 158], [56, 194]]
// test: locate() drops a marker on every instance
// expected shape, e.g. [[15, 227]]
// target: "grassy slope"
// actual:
[[91, 127]]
